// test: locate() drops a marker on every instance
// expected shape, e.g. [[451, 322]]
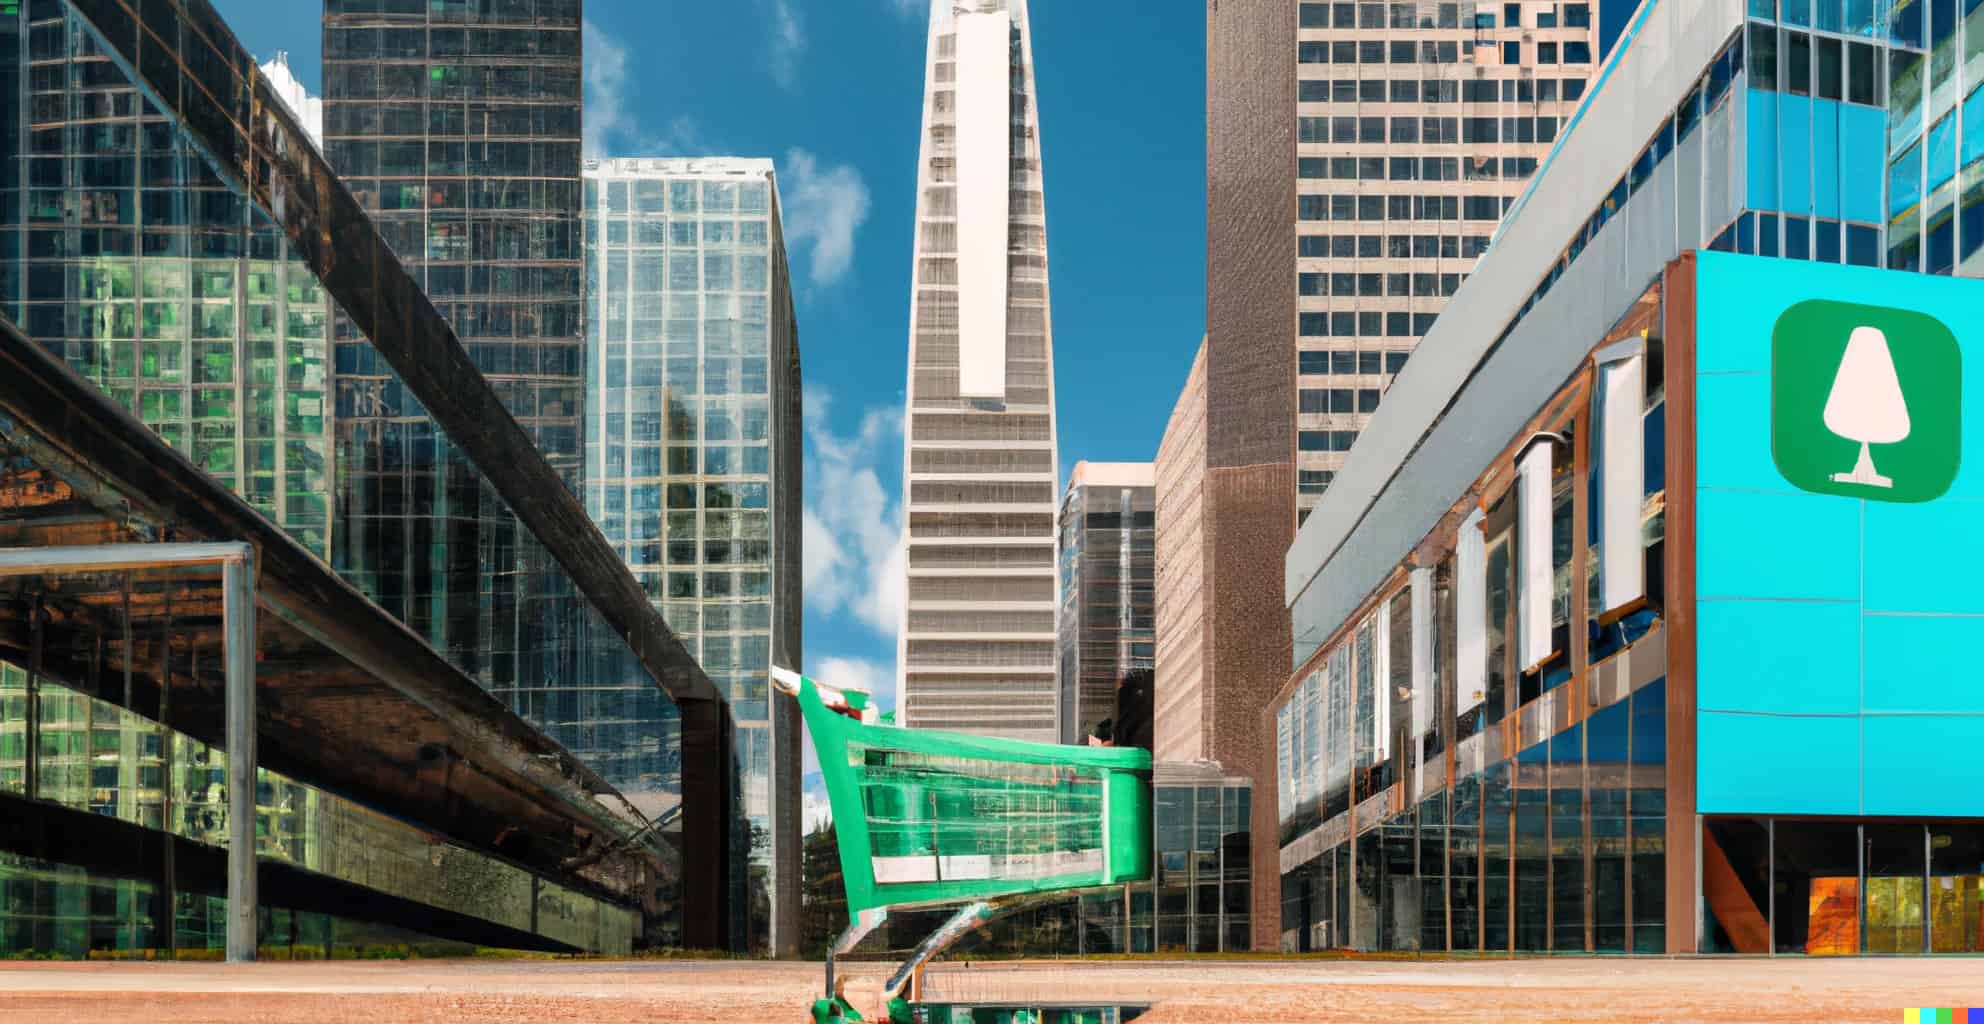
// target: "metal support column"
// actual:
[[238, 603]]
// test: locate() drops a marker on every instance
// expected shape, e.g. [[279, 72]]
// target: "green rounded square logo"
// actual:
[[1865, 401]]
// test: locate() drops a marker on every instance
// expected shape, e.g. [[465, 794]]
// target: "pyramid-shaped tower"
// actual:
[[977, 645]]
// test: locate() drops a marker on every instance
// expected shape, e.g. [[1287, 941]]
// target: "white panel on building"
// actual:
[[1534, 579], [984, 140], [1425, 695], [1622, 474], [1471, 616]]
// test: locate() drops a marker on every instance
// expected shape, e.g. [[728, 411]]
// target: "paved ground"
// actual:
[[1230, 992]]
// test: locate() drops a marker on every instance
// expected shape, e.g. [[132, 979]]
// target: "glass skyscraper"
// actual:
[[977, 647], [1108, 588], [124, 254], [456, 126], [692, 466]]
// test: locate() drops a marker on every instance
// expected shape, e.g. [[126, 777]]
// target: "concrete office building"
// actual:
[[1628, 628], [1416, 125], [1108, 563], [977, 644], [693, 457]]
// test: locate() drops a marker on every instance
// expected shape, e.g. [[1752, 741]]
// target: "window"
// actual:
[[1371, 51], [1395, 361], [1313, 53], [1312, 167], [1577, 51], [1573, 88], [1763, 57], [1405, 129], [1798, 63], [1315, 16], [1577, 15], [1369, 362], [1313, 90], [1405, 90], [1512, 53], [1310, 284], [1546, 53], [1546, 19], [1314, 246], [1370, 129], [1367, 399], [1404, 51], [1512, 15], [1398, 325], [1312, 400], [1371, 90], [1310, 207], [1312, 325], [1862, 83], [1830, 73], [1313, 129], [1403, 168], [1483, 208], [1313, 481], [1313, 362]]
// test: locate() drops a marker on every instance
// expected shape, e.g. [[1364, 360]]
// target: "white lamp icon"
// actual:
[[1866, 404]]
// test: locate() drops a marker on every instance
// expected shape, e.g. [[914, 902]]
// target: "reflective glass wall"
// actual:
[[93, 756], [123, 253], [691, 442], [1108, 619], [1476, 760]]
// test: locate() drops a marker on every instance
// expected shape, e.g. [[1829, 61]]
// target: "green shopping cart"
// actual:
[[929, 819]]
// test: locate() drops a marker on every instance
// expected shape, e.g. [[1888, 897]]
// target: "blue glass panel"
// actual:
[[1797, 12], [1762, 148], [1942, 151], [1795, 153], [1905, 181], [1825, 157], [1973, 127], [1862, 140]]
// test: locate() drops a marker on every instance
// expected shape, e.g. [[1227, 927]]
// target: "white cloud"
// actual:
[[824, 207], [813, 808], [852, 528], [606, 117], [611, 129], [788, 43]]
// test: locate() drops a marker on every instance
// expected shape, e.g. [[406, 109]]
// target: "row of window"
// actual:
[[1415, 168], [1337, 400], [1366, 324], [1434, 131], [1378, 285], [1325, 440], [1313, 481], [1802, 64], [1433, 90], [1802, 238], [1396, 247], [1382, 207], [1329, 361], [1443, 15]]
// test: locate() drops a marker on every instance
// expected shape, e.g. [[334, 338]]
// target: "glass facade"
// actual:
[[1108, 589], [1444, 788], [165, 280], [692, 440], [123, 253], [96, 757]]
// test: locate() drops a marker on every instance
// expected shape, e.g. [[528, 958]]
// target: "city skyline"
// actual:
[[849, 213]]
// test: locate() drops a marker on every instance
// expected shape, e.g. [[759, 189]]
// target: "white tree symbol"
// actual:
[[1866, 404]]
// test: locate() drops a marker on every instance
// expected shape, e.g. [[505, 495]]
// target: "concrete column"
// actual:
[[238, 603]]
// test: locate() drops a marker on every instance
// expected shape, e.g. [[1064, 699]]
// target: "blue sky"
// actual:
[[832, 90]]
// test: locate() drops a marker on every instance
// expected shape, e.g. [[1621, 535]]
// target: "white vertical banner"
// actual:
[[984, 168], [1381, 685], [1425, 694], [1622, 474], [1533, 539], [1470, 615]]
